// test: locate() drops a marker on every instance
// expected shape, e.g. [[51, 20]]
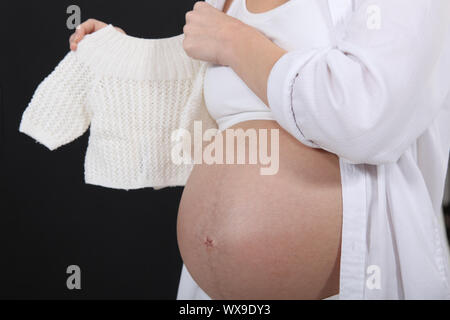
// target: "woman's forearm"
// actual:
[[252, 57]]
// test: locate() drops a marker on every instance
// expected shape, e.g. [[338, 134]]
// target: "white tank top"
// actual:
[[295, 25]]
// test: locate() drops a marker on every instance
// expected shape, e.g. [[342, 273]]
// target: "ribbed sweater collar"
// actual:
[[113, 53]]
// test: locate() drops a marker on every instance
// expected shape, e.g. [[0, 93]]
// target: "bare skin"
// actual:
[[247, 236], [243, 235]]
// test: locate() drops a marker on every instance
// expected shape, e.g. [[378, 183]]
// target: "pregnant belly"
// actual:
[[243, 235]]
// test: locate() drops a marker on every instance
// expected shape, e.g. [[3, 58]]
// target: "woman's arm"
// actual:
[[366, 98], [253, 58], [213, 36], [87, 27]]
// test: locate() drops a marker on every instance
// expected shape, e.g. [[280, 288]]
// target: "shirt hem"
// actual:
[[354, 224]]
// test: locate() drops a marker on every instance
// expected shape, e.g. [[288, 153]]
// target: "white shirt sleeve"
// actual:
[[370, 95], [57, 113]]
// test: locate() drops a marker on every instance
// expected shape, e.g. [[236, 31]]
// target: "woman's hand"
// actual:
[[209, 34], [213, 36], [87, 27]]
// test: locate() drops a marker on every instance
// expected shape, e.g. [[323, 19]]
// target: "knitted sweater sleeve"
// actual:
[[57, 113]]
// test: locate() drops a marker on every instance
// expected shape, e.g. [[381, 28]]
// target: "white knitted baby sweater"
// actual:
[[133, 94]]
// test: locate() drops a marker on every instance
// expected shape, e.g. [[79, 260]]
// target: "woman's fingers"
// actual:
[[72, 42], [87, 27], [79, 34], [207, 33], [120, 30]]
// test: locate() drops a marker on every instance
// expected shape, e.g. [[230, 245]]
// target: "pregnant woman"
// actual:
[[360, 94]]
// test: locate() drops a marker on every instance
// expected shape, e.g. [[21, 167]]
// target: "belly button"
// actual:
[[209, 243]]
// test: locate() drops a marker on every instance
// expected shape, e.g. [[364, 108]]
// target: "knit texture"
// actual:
[[133, 94]]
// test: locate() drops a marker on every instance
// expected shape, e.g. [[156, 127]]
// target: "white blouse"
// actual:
[[379, 98]]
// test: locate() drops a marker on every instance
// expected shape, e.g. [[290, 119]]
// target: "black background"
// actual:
[[123, 241]]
